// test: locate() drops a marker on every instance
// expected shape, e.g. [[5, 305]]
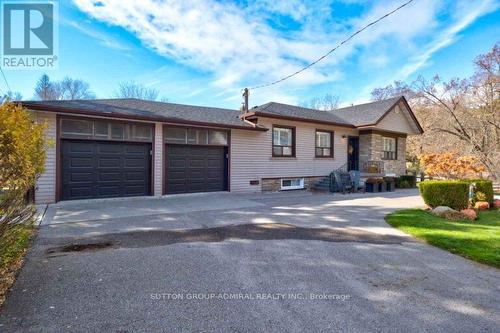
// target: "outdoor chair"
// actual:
[[343, 182], [358, 184]]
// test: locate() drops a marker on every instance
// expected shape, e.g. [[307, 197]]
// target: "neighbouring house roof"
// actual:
[[147, 110], [362, 115]]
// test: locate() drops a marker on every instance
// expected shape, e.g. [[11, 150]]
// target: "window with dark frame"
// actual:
[[389, 148], [101, 129], [195, 136], [283, 141], [324, 144]]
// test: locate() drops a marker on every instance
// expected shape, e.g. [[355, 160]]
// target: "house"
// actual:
[[130, 147]]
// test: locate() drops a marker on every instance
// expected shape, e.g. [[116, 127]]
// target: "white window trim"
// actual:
[[286, 188]]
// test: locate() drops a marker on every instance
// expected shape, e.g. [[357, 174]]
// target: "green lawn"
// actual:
[[477, 240]]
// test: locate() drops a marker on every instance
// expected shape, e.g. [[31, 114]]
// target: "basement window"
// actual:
[[292, 184]]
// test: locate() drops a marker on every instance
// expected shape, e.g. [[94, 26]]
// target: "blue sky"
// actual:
[[204, 52]]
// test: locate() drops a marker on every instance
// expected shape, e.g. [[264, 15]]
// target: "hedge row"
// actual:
[[485, 186], [406, 181], [454, 194]]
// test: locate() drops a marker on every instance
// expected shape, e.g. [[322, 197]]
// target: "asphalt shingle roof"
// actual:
[[149, 110], [366, 114], [291, 111], [352, 116], [357, 115]]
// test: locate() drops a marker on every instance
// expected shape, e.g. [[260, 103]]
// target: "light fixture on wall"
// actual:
[[344, 138]]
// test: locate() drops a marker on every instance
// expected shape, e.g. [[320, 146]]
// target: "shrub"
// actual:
[[406, 181], [22, 159], [453, 194], [480, 196], [484, 186]]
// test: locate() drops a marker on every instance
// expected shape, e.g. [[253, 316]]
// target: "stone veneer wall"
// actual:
[[274, 184], [370, 149]]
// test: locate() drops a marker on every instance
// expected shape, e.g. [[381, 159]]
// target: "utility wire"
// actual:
[[332, 50], [5, 79]]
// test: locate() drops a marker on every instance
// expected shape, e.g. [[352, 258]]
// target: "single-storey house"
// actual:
[[130, 147]]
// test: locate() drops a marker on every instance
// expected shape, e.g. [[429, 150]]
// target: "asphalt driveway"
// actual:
[[293, 262]]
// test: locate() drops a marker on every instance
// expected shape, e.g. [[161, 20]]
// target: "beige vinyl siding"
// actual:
[[158, 162], [45, 191], [251, 154], [398, 120]]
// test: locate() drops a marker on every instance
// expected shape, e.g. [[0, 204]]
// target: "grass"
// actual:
[[476, 240], [13, 248]]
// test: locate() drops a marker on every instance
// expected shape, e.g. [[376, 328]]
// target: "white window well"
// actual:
[[292, 184]]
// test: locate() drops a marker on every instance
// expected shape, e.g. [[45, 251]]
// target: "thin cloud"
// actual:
[[239, 44], [449, 36], [103, 38]]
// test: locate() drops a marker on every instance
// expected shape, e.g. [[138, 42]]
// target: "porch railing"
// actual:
[[372, 166]]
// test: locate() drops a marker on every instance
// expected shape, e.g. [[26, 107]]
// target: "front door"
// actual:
[[353, 153]]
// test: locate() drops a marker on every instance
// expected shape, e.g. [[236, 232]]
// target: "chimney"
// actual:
[[245, 100]]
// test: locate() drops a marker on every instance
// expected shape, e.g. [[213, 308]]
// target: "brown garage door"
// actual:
[[191, 169], [100, 169]]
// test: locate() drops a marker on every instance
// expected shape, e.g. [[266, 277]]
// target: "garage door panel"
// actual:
[[134, 190], [107, 162], [106, 170], [110, 176], [80, 147], [136, 150], [177, 163], [195, 169], [196, 162], [134, 163], [109, 191], [105, 148], [82, 162], [81, 192], [78, 177], [130, 176]]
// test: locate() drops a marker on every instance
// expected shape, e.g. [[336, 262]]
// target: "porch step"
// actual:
[[322, 185]]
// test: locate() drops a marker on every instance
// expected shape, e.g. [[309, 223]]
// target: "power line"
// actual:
[[332, 50], [5, 79]]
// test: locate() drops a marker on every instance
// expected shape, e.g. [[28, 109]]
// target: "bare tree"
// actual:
[[136, 90], [74, 89], [396, 89], [328, 102], [45, 89], [68, 89], [468, 110], [12, 96]]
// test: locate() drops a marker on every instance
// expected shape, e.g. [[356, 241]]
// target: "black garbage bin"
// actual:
[[390, 183]]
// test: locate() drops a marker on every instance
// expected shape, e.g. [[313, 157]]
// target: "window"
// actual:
[[76, 127], [217, 138], [324, 144], [283, 141], [100, 129], [195, 136], [141, 132], [292, 184], [117, 131], [389, 148], [175, 135]]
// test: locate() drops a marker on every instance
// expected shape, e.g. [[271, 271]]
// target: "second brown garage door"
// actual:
[[191, 169]]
